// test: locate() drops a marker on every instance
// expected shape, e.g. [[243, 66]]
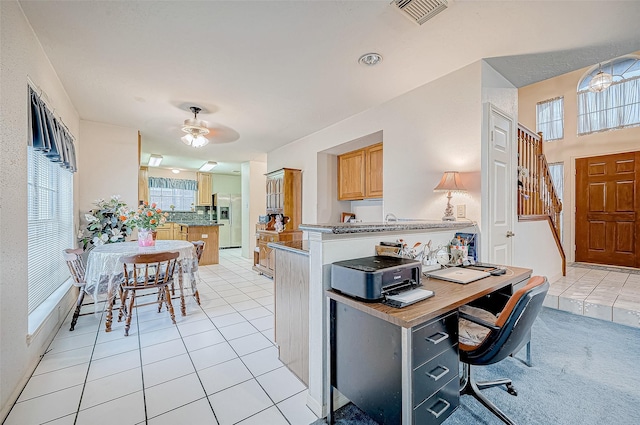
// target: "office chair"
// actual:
[[485, 338]]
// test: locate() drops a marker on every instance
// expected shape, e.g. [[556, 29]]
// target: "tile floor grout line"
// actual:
[[86, 376]]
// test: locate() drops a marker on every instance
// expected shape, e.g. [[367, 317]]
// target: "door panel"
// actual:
[[607, 202], [501, 181]]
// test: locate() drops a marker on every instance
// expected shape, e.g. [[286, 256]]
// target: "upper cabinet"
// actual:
[[143, 184], [360, 174], [204, 188], [284, 195]]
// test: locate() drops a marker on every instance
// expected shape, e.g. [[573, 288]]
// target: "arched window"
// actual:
[[617, 106]]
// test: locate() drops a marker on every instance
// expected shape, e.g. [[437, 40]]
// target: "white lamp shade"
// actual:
[[199, 141], [450, 182]]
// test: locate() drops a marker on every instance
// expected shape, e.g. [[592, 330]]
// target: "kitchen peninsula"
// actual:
[[195, 230], [328, 243]]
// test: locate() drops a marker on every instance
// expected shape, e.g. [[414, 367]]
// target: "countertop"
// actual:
[[448, 297], [199, 223], [299, 247], [345, 228]]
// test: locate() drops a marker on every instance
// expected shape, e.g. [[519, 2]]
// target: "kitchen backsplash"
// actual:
[[191, 216]]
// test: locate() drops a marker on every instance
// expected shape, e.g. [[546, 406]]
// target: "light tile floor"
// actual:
[[603, 292], [217, 365]]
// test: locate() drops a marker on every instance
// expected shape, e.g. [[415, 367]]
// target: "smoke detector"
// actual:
[[421, 11]]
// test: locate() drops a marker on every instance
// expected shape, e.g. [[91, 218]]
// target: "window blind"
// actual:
[[50, 225]]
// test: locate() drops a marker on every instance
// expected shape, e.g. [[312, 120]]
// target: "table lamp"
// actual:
[[450, 183]]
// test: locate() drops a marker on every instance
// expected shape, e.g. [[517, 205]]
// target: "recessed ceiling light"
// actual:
[[155, 160], [174, 171], [370, 59]]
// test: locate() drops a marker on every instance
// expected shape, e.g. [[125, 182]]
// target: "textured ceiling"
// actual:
[[269, 72]]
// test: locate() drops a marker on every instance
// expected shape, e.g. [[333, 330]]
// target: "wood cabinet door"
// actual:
[[373, 171], [143, 184], [204, 188], [607, 209], [351, 167]]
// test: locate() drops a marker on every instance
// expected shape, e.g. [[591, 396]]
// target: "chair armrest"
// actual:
[[480, 322]]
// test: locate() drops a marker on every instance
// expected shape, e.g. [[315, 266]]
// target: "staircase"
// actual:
[[537, 197]]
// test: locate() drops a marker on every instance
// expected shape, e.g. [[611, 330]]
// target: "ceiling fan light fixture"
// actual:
[[208, 166], [196, 130]]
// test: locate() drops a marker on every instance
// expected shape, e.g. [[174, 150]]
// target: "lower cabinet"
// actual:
[[266, 261], [165, 232], [369, 366], [291, 284]]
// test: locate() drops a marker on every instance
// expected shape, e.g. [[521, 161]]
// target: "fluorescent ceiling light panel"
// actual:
[[208, 166], [155, 160]]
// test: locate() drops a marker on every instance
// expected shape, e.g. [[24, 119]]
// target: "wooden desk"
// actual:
[[385, 354]]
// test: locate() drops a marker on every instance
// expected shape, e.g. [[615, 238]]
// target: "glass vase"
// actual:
[[145, 237]]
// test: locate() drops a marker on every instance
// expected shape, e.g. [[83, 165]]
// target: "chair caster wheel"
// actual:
[[511, 390]]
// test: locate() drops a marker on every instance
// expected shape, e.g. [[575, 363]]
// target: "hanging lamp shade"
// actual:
[[600, 81]]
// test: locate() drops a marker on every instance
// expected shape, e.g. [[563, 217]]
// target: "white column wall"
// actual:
[[253, 202]]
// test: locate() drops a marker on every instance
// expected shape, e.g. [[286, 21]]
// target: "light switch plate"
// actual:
[[461, 211]]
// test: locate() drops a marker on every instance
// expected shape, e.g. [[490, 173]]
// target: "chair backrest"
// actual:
[[73, 257], [514, 322], [199, 248], [148, 270]]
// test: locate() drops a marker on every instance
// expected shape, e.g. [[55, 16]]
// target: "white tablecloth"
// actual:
[[104, 266]]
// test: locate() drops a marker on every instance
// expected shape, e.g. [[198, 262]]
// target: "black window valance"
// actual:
[[49, 135]]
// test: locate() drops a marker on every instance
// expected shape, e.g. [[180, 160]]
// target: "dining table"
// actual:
[[104, 269]]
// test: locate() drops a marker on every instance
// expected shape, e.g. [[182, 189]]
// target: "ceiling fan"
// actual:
[[196, 130]]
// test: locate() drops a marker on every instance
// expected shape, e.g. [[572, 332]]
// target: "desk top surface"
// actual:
[[448, 296]]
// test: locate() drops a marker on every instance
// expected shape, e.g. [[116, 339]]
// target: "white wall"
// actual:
[[431, 129], [107, 164], [22, 57], [253, 202], [223, 183]]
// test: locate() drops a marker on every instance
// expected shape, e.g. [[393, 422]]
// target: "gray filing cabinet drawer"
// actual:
[[438, 407], [433, 375], [434, 338]]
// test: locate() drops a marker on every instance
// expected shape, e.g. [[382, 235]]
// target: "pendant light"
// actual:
[[600, 81]]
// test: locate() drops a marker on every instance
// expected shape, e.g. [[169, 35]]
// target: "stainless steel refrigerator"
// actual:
[[229, 214]]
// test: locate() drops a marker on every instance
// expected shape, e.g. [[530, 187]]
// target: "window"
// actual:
[[181, 193], [550, 118], [557, 178], [181, 199], [50, 225], [617, 106]]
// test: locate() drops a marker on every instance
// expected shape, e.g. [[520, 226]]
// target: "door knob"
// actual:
[[510, 234]]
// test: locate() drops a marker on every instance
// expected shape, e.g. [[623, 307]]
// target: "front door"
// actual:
[[607, 205]]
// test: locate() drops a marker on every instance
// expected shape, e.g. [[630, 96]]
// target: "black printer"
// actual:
[[371, 278]]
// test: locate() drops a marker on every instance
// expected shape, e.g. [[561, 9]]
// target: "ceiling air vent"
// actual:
[[421, 11]]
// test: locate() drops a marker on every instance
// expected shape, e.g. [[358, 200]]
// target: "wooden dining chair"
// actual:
[[141, 272], [199, 250], [73, 257]]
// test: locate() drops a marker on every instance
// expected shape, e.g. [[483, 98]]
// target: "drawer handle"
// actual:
[[444, 409], [438, 340], [445, 370]]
